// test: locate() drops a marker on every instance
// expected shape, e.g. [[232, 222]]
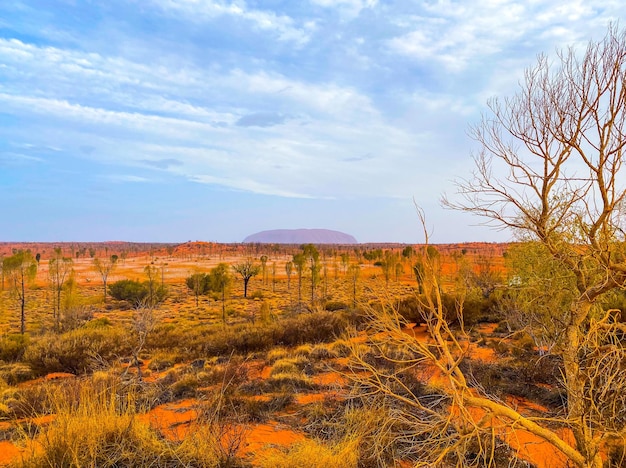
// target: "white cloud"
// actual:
[[121, 178], [350, 8], [453, 34], [201, 10]]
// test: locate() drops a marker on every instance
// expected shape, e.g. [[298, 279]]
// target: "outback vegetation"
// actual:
[[209, 355]]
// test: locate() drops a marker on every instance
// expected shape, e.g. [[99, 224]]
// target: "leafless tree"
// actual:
[[21, 269], [105, 267], [456, 417], [59, 268], [551, 169]]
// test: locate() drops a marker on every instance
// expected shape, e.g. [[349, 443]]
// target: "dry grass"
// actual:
[[312, 454], [97, 425]]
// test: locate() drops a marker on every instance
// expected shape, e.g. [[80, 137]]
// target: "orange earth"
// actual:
[[175, 263]]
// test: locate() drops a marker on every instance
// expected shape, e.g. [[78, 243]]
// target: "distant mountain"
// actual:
[[301, 236]]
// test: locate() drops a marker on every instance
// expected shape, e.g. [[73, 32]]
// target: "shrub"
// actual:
[[411, 308], [15, 373], [275, 354], [335, 305], [317, 327], [289, 382], [322, 352], [162, 361], [77, 351], [185, 387], [98, 427], [256, 295], [12, 347], [303, 350], [312, 454], [341, 348], [137, 293], [284, 366]]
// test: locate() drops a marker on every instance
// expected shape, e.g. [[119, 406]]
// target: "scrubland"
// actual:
[[269, 380]]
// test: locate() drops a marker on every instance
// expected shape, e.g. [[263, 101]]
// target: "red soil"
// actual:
[[8, 452], [172, 419], [329, 379], [262, 435]]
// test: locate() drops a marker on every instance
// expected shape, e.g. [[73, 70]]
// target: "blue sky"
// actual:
[[176, 120]]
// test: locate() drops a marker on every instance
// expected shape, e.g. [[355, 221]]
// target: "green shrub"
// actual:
[[137, 293]]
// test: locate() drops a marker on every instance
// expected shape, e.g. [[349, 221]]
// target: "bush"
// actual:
[[137, 293], [284, 366], [335, 305], [98, 426], [323, 352], [13, 346], [412, 308], [312, 454], [185, 387], [256, 295], [78, 351], [15, 373], [248, 338]]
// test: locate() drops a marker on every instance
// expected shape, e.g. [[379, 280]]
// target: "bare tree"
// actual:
[[551, 169], [299, 260], [460, 423], [354, 272], [59, 268], [21, 269], [105, 267], [247, 270]]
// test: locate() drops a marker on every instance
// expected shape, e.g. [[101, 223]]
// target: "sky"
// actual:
[[177, 120]]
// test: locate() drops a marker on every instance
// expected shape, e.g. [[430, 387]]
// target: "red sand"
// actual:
[[8, 452], [262, 435], [172, 419]]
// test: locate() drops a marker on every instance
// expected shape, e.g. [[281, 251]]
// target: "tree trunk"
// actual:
[[575, 387], [224, 304], [23, 307]]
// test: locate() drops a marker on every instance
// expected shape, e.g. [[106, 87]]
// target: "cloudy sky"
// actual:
[[175, 120]]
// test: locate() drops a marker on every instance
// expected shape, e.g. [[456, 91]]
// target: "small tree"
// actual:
[[247, 270], [199, 285], [299, 261], [59, 268], [21, 269], [220, 280], [152, 274], [273, 276], [312, 257], [264, 268], [388, 265], [105, 267], [288, 271], [353, 273], [551, 168]]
